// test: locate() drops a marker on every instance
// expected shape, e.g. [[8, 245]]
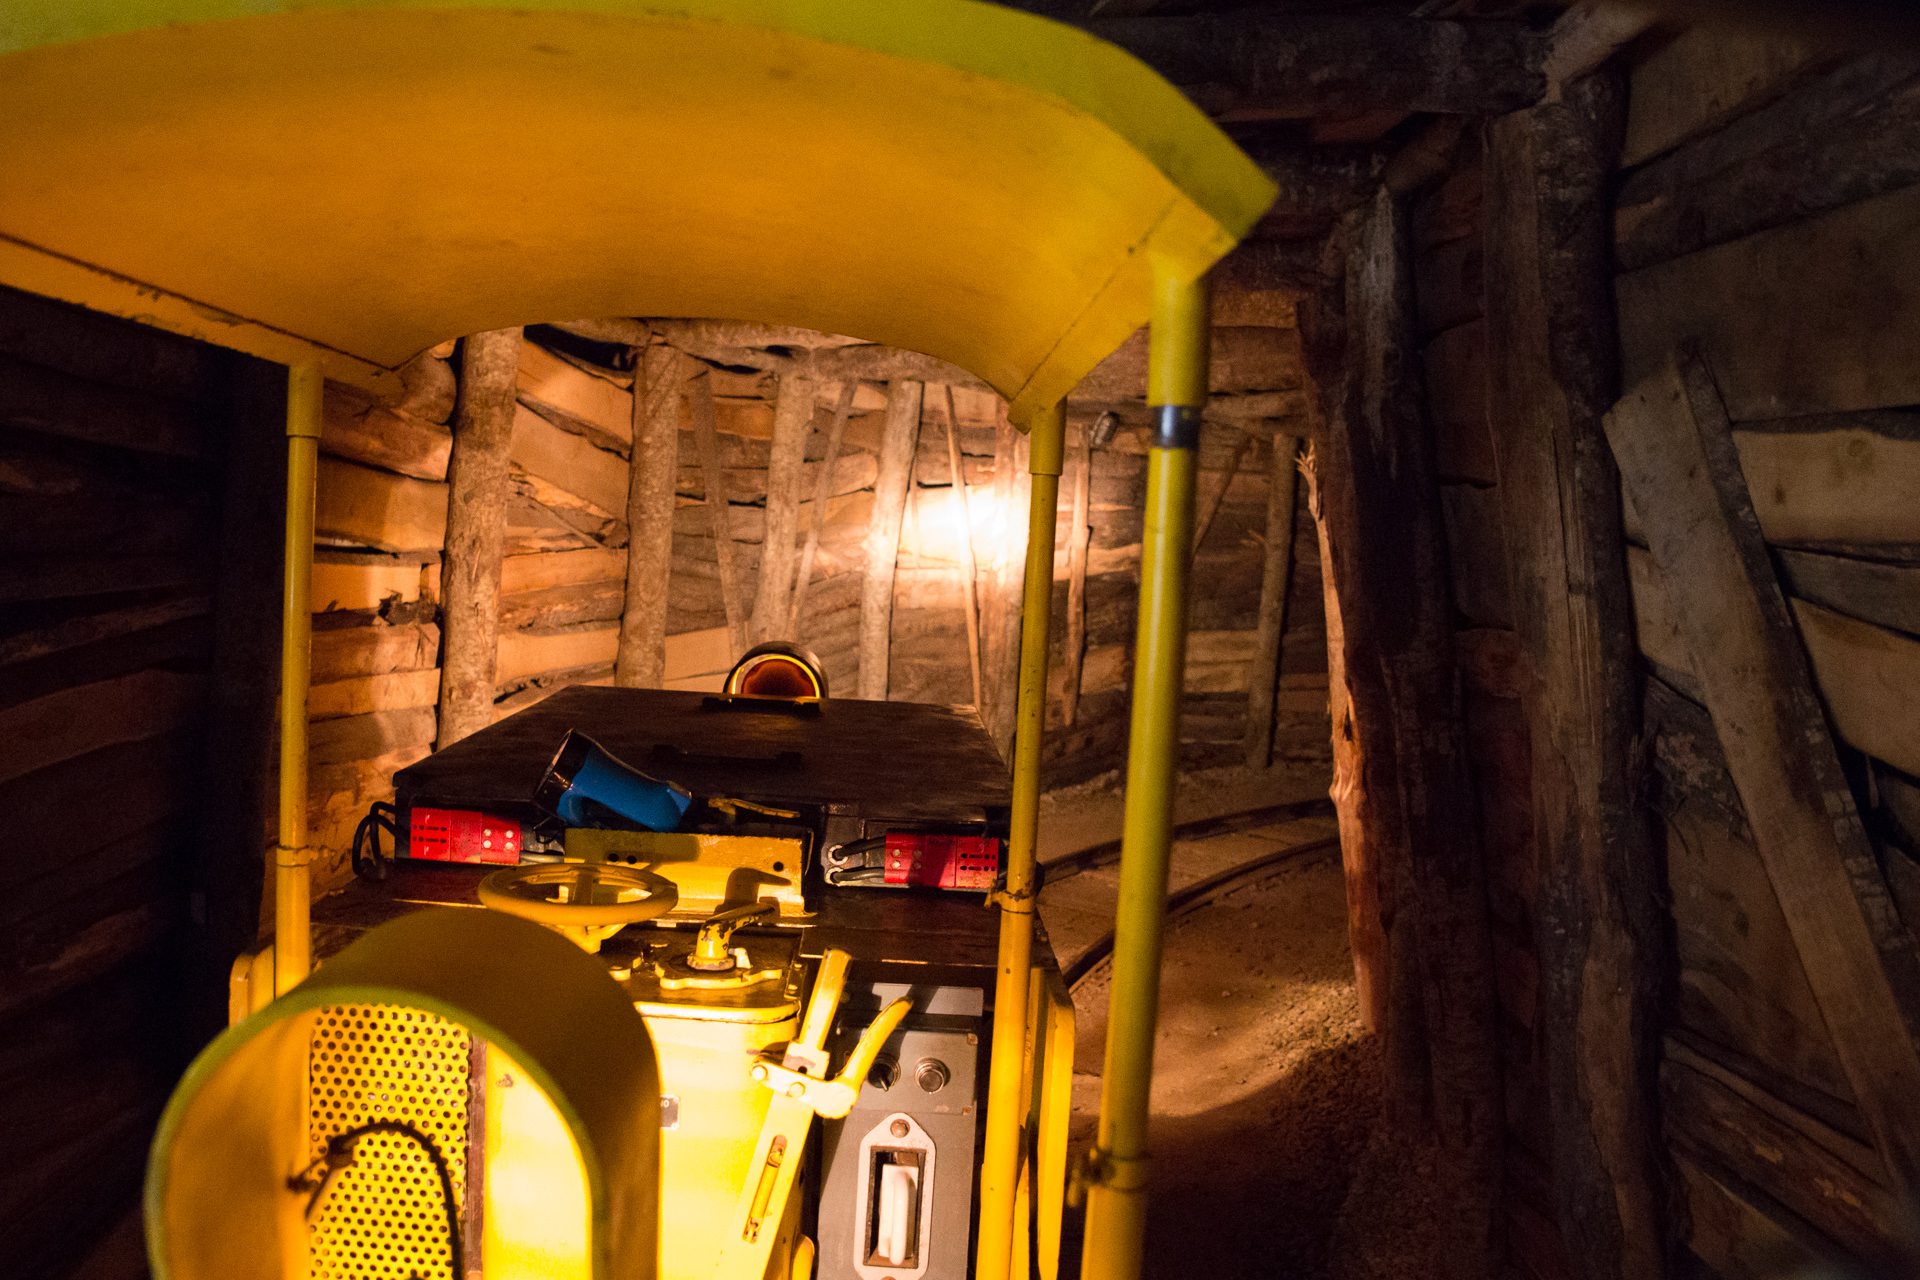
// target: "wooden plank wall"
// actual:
[[113, 448], [1447, 229], [1767, 215], [1225, 607], [928, 660], [382, 522]]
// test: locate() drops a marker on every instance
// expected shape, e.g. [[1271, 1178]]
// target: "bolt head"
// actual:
[[795, 1089], [898, 1129]]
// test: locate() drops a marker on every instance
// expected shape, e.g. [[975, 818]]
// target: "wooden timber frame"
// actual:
[[1682, 631]]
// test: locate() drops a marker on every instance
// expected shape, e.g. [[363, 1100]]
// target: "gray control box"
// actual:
[[898, 1172]]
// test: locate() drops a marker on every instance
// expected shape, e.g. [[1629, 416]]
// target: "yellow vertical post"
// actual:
[[1176, 390], [1006, 1100], [292, 887]]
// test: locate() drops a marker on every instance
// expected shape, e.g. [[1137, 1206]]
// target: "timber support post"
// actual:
[[641, 660], [792, 417], [822, 495], [706, 436], [1276, 581], [1551, 377], [476, 530], [1390, 566], [899, 440], [963, 515]]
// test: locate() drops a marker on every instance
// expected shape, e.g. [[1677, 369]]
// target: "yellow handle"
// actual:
[[710, 947], [827, 988], [835, 1096], [860, 1061]]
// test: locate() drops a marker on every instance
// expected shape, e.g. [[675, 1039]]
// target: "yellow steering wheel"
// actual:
[[586, 901]]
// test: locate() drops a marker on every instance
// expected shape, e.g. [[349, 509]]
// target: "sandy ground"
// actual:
[[1269, 1156]]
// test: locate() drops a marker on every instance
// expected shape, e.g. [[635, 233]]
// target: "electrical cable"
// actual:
[[339, 1156], [380, 815]]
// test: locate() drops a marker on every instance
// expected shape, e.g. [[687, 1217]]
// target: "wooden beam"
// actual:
[[1850, 135], [1586, 35], [898, 443], [1079, 537], [706, 439], [823, 490], [1390, 563], [1318, 182], [885, 364], [1550, 341], [367, 507], [355, 425], [618, 331], [1838, 354], [1252, 65], [1219, 495], [1887, 595], [1261, 266], [476, 530], [1276, 581], [963, 511], [1242, 359], [1677, 459], [1717, 1113], [428, 389], [792, 420], [661, 377], [821, 357]]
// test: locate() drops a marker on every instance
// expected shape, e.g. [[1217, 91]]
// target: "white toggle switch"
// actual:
[[899, 1197]]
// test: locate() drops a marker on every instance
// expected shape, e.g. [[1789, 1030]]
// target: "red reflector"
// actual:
[[462, 835], [943, 862]]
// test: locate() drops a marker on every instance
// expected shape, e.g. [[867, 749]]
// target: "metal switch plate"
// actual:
[[942, 1122]]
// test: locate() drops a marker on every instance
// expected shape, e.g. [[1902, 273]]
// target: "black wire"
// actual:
[[380, 815], [339, 1156]]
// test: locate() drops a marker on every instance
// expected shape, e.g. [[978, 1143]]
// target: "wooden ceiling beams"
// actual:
[[1252, 66]]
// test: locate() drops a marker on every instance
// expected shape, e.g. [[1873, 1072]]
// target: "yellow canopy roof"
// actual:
[[355, 180]]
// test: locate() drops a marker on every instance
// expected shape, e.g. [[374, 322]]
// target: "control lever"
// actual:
[[712, 952], [835, 1097], [801, 1089]]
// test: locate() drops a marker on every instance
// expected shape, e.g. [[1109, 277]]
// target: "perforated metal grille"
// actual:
[[383, 1218]]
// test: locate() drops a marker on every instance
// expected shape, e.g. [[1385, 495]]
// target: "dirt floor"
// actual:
[[1270, 1159]]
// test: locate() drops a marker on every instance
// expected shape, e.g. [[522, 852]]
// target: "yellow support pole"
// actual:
[[292, 883], [1176, 388], [1006, 1100]]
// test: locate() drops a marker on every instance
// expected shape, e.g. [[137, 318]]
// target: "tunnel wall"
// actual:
[[1763, 215], [136, 845]]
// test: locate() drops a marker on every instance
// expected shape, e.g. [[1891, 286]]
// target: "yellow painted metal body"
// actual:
[[1006, 1103], [713, 872], [1048, 1072], [1116, 1202], [707, 1041], [237, 1128], [324, 180], [535, 1207]]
